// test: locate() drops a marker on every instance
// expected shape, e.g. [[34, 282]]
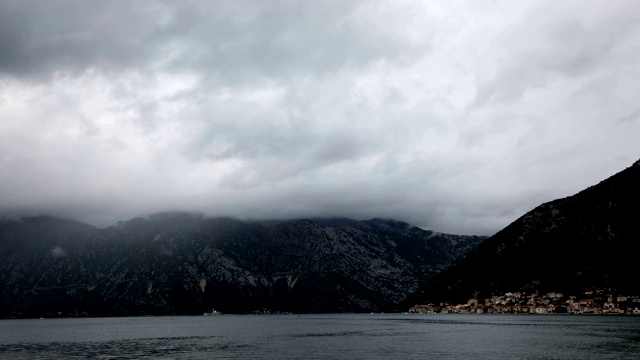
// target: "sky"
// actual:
[[453, 116]]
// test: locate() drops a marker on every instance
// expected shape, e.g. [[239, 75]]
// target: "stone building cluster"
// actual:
[[598, 301]]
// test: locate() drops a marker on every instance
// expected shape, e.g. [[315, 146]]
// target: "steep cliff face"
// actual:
[[589, 240], [181, 263]]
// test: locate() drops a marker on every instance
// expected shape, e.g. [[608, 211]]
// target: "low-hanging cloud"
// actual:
[[458, 117]]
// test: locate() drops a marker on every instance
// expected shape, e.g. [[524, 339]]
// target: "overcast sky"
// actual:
[[453, 116]]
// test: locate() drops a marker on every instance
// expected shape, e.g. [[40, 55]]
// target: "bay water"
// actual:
[[341, 336]]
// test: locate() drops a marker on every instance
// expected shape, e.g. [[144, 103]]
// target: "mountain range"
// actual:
[[185, 263]]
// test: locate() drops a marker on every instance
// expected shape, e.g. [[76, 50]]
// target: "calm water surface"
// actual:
[[325, 337]]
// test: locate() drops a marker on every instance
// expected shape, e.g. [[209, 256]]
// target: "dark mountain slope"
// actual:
[[181, 263], [589, 240]]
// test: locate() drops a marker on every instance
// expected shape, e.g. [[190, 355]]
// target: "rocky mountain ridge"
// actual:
[[586, 241], [183, 263]]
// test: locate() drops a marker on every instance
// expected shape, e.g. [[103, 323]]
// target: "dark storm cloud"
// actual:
[[228, 41], [40, 37]]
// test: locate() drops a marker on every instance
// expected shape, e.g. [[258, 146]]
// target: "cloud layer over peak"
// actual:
[[457, 117]]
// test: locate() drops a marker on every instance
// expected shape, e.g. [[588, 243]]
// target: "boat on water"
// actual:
[[212, 313]]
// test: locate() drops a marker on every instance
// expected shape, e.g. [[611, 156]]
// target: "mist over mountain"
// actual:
[[585, 241], [185, 263]]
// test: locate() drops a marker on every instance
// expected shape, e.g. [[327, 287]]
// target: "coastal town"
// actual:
[[597, 301]]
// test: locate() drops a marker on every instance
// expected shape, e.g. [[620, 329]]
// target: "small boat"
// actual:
[[212, 313]]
